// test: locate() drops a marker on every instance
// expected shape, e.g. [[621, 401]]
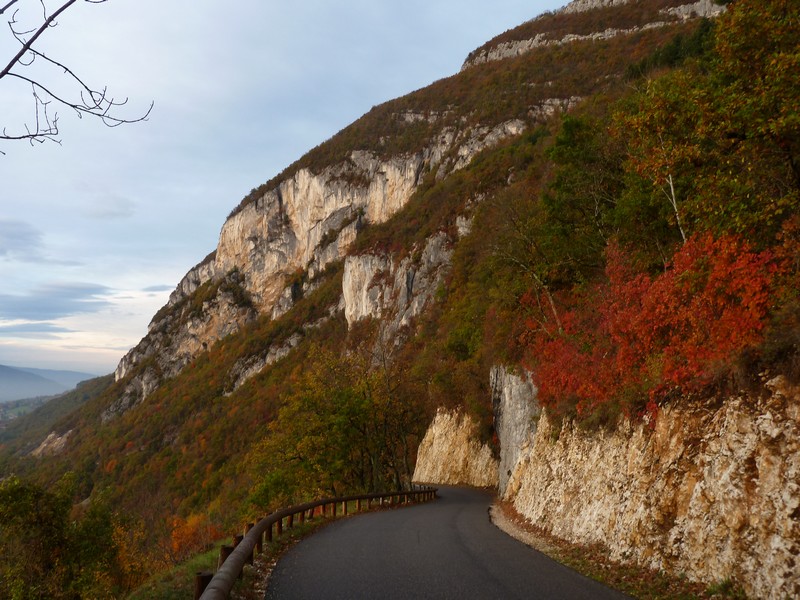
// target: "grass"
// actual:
[[178, 582]]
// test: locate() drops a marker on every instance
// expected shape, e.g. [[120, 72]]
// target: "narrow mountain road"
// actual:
[[446, 548]]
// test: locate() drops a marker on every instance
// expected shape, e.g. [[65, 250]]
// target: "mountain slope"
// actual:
[[368, 237], [389, 273], [16, 384], [68, 379]]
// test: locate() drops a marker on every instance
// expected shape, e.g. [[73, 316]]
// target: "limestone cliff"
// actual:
[[516, 413], [373, 286], [712, 492], [304, 223], [511, 48], [450, 453]]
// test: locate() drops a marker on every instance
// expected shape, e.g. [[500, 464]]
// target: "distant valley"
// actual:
[[17, 383]]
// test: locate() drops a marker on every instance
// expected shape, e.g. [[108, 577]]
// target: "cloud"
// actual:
[[20, 240], [159, 288], [54, 301], [37, 330]]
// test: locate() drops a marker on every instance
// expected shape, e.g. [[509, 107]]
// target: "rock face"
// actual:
[[516, 413], [52, 445], [450, 454], [301, 225], [189, 325], [712, 493], [503, 50], [373, 286]]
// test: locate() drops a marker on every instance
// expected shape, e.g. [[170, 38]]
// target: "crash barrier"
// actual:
[[232, 558]]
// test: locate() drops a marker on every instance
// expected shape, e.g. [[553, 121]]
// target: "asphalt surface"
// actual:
[[442, 549]]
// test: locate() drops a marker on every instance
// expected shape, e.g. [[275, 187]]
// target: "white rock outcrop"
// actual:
[[373, 286], [710, 493], [504, 50], [516, 413], [52, 445], [303, 224], [450, 453], [584, 5]]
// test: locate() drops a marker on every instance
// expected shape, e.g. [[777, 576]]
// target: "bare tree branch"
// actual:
[[87, 100], [7, 6], [27, 45]]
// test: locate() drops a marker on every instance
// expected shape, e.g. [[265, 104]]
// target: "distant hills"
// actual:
[[17, 383]]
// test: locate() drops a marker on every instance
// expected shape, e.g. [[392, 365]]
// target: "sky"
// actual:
[[95, 232]]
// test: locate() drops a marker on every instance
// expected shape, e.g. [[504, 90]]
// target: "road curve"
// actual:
[[442, 549]]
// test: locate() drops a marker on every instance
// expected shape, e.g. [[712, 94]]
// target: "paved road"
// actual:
[[447, 548]]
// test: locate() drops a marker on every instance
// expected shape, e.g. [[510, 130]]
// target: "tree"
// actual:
[[54, 85], [50, 549], [344, 428]]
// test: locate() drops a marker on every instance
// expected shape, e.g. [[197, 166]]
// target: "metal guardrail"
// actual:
[[233, 558]]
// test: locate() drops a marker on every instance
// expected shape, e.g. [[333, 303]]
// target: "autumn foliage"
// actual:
[[192, 534], [681, 269], [634, 338]]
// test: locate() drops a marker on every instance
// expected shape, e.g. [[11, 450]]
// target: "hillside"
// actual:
[[592, 226], [16, 384]]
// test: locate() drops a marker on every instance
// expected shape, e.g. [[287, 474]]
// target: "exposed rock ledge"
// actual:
[[712, 493], [450, 454], [306, 222], [52, 445], [701, 8]]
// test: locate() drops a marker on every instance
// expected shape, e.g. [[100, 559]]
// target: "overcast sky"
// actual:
[[96, 232]]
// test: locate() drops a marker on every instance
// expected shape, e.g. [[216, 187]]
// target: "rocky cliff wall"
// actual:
[[710, 492], [303, 224], [503, 50], [373, 286], [516, 413], [451, 454]]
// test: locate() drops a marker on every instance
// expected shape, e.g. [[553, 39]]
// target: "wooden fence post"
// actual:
[[279, 527], [224, 552], [201, 581]]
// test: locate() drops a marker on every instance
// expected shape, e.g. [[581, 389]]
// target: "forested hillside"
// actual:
[[631, 239]]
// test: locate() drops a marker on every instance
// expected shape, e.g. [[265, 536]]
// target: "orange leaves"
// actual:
[[190, 534], [637, 337]]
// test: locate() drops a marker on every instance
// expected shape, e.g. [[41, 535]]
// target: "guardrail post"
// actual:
[[290, 522], [358, 505], [344, 507], [302, 516], [279, 527], [201, 581], [333, 509], [224, 552]]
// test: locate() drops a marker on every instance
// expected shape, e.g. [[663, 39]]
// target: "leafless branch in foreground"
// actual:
[[82, 98]]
